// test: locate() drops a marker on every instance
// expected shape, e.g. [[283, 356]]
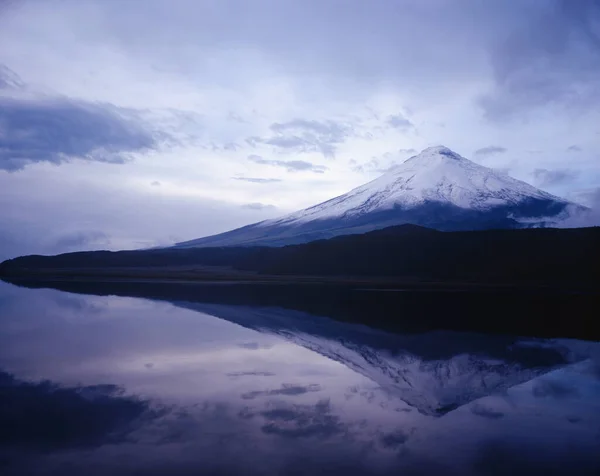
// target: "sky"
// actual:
[[128, 124]]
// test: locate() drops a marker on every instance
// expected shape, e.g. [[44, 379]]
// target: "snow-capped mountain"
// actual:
[[436, 188]]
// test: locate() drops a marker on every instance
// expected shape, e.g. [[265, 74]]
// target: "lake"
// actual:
[[103, 384]]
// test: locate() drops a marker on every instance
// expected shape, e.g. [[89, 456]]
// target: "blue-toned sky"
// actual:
[[126, 123]]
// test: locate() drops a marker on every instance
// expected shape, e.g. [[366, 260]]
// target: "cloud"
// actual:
[[57, 130], [545, 177], [250, 374], [552, 57], [490, 150], [81, 240], [9, 79], [305, 136], [286, 389], [574, 148], [394, 439], [227, 147], [302, 421], [88, 416], [587, 217], [156, 183], [483, 411], [554, 389], [289, 165], [258, 206], [381, 164], [398, 121], [257, 179], [254, 345], [370, 166]]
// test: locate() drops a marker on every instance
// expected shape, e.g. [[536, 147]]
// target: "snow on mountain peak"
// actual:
[[437, 174], [437, 188], [438, 150]]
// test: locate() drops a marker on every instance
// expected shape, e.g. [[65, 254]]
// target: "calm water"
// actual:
[[116, 385]]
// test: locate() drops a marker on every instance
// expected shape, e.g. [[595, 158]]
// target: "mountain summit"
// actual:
[[437, 188]]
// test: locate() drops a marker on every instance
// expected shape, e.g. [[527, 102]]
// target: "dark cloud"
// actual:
[[550, 56], [59, 129], [286, 389], [490, 150], [258, 206], [574, 148], [156, 183], [303, 136], [483, 411], [257, 179], [398, 121], [289, 165], [545, 177], [46, 416], [302, 421], [394, 439], [250, 374], [407, 151], [254, 345]]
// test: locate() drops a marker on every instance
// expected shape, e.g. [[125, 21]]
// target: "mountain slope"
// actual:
[[437, 188], [434, 372]]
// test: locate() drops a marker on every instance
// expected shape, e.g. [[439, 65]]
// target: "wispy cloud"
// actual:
[[286, 389], [258, 206], [81, 240], [289, 165], [545, 177], [305, 136], [490, 150], [9, 79], [257, 179], [398, 121]]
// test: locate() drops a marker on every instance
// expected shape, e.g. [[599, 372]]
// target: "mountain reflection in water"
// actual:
[[118, 385]]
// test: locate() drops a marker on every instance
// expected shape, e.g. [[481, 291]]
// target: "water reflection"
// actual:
[[46, 416], [116, 385]]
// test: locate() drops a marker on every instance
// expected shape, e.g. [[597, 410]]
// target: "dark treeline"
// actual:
[[530, 255]]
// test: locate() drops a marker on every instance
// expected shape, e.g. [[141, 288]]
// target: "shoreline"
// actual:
[[202, 276]]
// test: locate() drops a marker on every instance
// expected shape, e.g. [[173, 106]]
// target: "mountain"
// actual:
[[436, 188], [434, 372]]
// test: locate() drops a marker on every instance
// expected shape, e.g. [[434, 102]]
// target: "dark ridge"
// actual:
[[407, 252]]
